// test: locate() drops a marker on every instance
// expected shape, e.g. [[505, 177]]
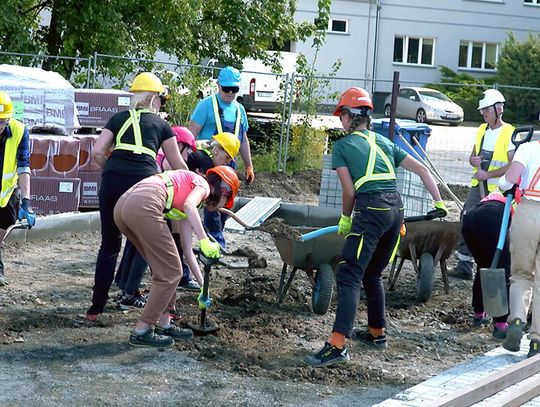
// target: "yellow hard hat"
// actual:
[[147, 82], [6, 106], [229, 142]]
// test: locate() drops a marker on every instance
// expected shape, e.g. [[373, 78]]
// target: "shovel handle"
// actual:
[[502, 233], [319, 232]]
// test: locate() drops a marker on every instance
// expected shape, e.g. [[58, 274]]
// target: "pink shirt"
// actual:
[[183, 183]]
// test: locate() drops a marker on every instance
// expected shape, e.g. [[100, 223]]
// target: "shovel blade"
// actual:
[[494, 291]]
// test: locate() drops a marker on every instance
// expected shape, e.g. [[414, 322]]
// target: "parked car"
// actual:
[[425, 106]]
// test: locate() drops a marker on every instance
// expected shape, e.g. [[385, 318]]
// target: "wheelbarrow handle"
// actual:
[[319, 232], [433, 214]]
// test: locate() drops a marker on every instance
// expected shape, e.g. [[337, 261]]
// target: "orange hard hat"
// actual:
[[354, 98], [228, 176]]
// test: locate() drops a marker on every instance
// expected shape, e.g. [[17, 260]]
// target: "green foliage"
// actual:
[[189, 30], [519, 65], [306, 147]]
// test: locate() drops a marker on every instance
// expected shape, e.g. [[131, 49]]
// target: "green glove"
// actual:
[[344, 225], [440, 205], [204, 302], [209, 249]]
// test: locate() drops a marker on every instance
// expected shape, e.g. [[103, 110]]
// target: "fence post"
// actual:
[[289, 119], [88, 72], [283, 112], [94, 70]]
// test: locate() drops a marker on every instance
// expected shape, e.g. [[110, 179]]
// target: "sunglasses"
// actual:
[[228, 89]]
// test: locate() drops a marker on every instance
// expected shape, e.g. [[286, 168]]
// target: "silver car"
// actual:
[[425, 106]]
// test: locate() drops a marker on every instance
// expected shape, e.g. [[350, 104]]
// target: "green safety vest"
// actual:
[[138, 147], [218, 118], [170, 212], [9, 169], [374, 152]]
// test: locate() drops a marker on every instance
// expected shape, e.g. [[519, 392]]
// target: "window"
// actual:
[[411, 50], [337, 26], [537, 2], [478, 55]]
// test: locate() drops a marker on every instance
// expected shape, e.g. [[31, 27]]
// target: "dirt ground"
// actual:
[[50, 356]]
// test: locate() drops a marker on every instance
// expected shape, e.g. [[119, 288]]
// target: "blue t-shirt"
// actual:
[[203, 115]]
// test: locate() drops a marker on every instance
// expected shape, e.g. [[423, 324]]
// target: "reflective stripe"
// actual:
[[374, 152], [396, 247], [170, 190], [217, 117], [138, 147], [360, 245]]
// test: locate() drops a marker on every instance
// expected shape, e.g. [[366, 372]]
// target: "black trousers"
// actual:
[[367, 250], [480, 228]]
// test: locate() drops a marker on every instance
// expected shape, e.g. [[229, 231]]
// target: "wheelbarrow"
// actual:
[[427, 242], [317, 257]]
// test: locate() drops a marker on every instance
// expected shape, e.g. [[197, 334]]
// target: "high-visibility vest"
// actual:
[[500, 152], [217, 117], [9, 169], [374, 151], [170, 212], [138, 147]]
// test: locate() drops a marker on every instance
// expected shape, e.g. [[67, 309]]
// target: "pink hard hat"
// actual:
[[184, 135]]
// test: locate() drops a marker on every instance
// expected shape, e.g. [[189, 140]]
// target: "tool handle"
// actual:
[[502, 233], [319, 232], [206, 283]]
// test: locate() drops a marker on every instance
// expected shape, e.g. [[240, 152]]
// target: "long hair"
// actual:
[[215, 189], [358, 120], [143, 100]]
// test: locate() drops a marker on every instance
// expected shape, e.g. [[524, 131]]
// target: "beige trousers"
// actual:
[[525, 268], [139, 216]]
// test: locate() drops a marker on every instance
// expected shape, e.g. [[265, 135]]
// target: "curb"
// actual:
[[59, 225]]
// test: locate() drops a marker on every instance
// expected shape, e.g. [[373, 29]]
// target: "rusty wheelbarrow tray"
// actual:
[[317, 257], [426, 244]]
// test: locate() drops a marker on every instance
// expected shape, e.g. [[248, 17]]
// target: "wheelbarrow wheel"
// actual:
[[323, 289], [424, 283]]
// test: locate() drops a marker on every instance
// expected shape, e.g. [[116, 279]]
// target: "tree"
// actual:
[[190, 30]]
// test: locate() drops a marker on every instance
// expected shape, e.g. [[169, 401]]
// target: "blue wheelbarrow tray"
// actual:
[[317, 257], [426, 244]]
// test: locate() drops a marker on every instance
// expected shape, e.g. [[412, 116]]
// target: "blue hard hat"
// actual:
[[229, 76]]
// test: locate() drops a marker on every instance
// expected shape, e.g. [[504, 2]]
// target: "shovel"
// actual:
[[203, 328], [494, 289]]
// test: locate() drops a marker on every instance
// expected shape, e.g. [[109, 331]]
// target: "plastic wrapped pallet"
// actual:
[[42, 99]]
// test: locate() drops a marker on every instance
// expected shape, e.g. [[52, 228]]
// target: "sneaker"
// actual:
[[328, 355], [174, 332], [499, 333], [135, 302], [149, 339], [512, 342], [479, 322], [379, 342], [464, 270], [192, 285], [534, 348]]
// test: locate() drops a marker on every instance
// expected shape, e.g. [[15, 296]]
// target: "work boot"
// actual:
[[480, 321], [149, 339], [380, 342], [512, 342], [328, 355], [464, 270], [174, 332], [534, 348]]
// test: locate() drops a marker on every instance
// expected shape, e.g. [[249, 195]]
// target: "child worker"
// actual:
[[140, 215], [371, 219]]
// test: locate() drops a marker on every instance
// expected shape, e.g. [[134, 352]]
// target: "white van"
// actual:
[[259, 86]]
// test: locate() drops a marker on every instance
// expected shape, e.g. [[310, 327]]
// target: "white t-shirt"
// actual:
[[528, 154], [490, 138]]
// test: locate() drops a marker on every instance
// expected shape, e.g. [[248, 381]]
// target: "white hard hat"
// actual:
[[490, 97]]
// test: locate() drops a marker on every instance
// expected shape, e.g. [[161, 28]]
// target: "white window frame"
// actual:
[[470, 47], [420, 47], [329, 29], [533, 3]]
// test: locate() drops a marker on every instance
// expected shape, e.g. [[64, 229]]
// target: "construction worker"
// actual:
[[134, 136], [140, 214], [222, 113], [371, 219], [524, 247], [480, 228], [490, 157], [15, 156]]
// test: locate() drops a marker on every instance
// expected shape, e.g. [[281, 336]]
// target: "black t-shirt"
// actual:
[[199, 161], [154, 131]]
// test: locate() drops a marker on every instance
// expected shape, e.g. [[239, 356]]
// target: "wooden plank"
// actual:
[[520, 393], [491, 384]]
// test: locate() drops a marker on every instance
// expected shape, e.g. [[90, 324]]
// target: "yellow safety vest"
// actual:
[[9, 169], [138, 147], [374, 151], [218, 118], [500, 152], [170, 212]]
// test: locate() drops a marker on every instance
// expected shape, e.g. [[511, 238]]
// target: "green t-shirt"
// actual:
[[352, 151]]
